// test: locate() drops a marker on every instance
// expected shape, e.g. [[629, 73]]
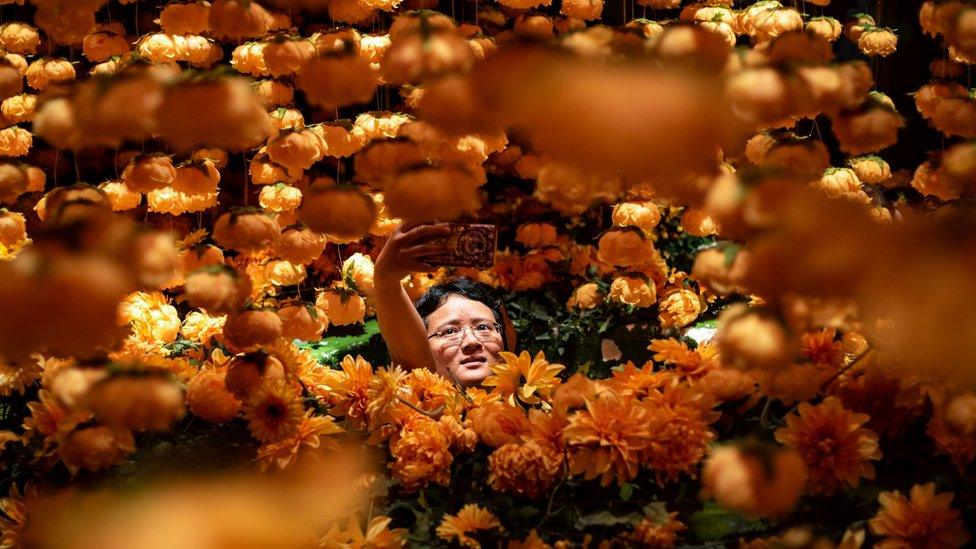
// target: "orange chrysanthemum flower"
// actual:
[[468, 520], [687, 363], [383, 391], [352, 390], [524, 379], [50, 419], [311, 440], [428, 390], [875, 393], [422, 454], [527, 469], [835, 447], [925, 520], [657, 531], [497, 423], [297, 362], [606, 438], [820, 349], [378, 534], [274, 412], [679, 431], [15, 377], [15, 508], [630, 381], [960, 447]]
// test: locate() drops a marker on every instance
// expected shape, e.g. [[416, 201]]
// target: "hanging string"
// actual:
[[246, 178], [74, 155]]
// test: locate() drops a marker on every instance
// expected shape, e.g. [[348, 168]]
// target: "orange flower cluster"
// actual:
[[246, 162]]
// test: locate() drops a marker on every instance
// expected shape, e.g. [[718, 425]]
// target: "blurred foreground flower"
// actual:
[[241, 511]]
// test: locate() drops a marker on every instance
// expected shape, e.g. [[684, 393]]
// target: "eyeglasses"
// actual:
[[483, 331]]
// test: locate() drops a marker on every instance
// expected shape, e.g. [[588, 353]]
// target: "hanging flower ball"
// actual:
[[101, 46], [11, 78], [302, 321], [245, 231], [20, 38], [207, 396], [429, 193], [233, 20], [755, 481], [877, 41], [185, 18], [280, 198], [334, 81], [299, 245], [871, 128], [217, 289], [341, 306], [13, 228], [48, 71], [15, 142], [872, 170], [149, 172], [286, 56], [246, 373], [221, 112], [296, 150], [827, 28], [582, 9], [248, 330], [343, 211], [273, 93], [197, 177], [751, 340], [248, 58], [841, 183], [120, 196]]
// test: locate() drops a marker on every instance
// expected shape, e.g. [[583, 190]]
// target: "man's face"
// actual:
[[463, 345]]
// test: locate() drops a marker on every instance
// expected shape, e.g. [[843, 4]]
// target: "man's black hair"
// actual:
[[465, 287]]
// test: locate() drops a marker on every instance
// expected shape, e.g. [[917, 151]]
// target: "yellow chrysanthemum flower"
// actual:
[[153, 319], [311, 439], [524, 379], [274, 412], [378, 535], [351, 390], [469, 519]]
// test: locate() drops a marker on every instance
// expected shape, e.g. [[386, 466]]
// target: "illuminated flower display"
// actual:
[[734, 249]]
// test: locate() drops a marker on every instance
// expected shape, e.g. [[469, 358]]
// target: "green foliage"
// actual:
[[358, 339], [713, 523]]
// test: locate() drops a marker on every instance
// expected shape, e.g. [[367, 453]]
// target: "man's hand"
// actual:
[[407, 249]]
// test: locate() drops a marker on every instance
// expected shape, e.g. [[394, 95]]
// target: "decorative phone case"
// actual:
[[470, 244]]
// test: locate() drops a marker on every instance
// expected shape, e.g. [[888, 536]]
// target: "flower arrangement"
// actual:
[[734, 253]]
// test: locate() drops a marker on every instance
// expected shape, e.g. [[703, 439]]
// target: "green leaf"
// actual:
[[626, 491], [605, 518], [714, 523], [730, 250], [180, 346], [331, 349]]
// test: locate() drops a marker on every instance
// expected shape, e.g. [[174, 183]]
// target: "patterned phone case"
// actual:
[[470, 245]]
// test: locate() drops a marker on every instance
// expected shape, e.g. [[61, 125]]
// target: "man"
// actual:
[[456, 328]]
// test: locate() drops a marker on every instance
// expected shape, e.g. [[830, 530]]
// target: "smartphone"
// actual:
[[469, 245]]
